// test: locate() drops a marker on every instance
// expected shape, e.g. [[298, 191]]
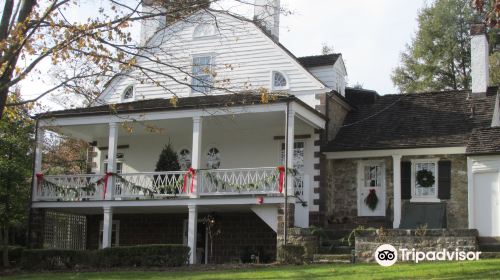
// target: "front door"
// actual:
[[371, 188], [487, 203]]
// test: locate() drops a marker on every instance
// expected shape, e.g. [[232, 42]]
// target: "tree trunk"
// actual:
[[3, 101], [5, 247]]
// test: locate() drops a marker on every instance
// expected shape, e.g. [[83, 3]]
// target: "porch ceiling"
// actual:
[[237, 122]]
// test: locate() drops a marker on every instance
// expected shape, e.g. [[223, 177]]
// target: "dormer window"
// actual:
[[279, 81], [204, 30], [128, 94]]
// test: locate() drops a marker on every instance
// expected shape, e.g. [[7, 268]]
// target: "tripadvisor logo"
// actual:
[[387, 255]]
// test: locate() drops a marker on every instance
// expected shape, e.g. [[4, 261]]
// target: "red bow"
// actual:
[[281, 169], [105, 180], [190, 172], [39, 180]]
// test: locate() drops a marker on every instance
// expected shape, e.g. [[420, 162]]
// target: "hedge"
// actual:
[[15, 253], [168, 255], [291, 254]]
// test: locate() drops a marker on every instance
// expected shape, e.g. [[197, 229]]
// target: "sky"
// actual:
[[370, 34]]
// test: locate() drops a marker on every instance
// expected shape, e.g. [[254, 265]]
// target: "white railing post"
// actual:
[[112, 147], [107, 226], [396, 165], [40, 138], [192, 231], [196, 154]]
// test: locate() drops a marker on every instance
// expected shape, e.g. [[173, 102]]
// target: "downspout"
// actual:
[[30, 214]]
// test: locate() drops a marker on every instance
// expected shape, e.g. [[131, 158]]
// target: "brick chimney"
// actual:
[[479, 59], [267, 15]]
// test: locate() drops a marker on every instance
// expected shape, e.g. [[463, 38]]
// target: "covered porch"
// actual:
[[260, 153]]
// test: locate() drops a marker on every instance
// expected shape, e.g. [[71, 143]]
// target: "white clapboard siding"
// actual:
[[326, 74], [242, 54]]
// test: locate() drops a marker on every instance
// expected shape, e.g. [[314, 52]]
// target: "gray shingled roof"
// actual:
[[418, 120], [484, 141], [318, 60], [196, 102]]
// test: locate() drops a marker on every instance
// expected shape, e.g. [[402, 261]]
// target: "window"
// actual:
[[119, 163], [213, 158], [425, 169], [115, 234], [202, 80], [372, 176], [128, 94], [184, 159], [204, 30], [279, 81]]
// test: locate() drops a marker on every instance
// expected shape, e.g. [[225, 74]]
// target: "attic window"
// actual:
[[204, 30], [279, 81], [128, 93]]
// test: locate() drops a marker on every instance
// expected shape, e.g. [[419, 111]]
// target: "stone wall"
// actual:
[[339, 192], [367, 241], [304, 238]]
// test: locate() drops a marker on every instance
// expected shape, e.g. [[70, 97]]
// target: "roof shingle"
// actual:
[[318, 60]]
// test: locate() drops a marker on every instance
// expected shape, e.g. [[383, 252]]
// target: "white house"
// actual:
[[261, 135]]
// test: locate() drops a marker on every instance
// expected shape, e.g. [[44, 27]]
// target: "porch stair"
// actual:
[[489, 247], [332, 258]]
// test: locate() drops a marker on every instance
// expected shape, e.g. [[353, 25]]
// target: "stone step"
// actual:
[[490, 255], [489, 247], [332, 258]]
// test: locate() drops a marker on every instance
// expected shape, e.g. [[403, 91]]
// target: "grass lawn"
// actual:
[[483, 269]]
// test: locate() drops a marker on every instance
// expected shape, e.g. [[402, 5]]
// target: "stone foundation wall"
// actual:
[[304, 238], [367, 241]]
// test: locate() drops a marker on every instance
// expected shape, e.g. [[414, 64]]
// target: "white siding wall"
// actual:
[[243, 55]]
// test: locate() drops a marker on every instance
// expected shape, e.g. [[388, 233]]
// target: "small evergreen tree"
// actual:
[[168, 160]]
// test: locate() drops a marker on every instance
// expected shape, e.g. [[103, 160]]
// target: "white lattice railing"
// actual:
[[149, 184], [70, 187], [156, 185], [262, 180]]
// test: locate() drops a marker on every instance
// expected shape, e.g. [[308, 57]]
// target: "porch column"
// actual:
[[196, 150], [112, 146], [192, 231], [396, 166], [107, 226], [40, 137], [290, 123]]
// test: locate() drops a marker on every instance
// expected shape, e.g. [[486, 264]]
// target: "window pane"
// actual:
[[202, 78], [425, 191], [372, 176], [279, 80]]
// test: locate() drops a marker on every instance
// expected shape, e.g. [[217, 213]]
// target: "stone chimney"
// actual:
[[479, 59], [267, 15]]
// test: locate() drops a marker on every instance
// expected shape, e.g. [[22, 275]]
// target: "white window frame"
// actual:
[[361, 184], [212, 63], [272, 87], [125, 90], [205, 36], [116, 228], [190, 155], [118, 160], [415, 198]]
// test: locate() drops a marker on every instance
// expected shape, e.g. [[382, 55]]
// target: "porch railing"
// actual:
[[70, 187], [157, 185], [239, 181], [149, 184]]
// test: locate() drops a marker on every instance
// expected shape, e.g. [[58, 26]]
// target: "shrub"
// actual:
[[15, 253], [291, 254], [165, 255]]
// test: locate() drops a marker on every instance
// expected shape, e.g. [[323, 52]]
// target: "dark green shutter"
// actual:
[[444, 180], [405, 180]]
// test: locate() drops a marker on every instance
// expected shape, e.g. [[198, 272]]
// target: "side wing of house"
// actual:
[[234, 54]]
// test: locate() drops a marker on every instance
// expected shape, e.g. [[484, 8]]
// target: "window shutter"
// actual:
[[444, 180], [405, 180]]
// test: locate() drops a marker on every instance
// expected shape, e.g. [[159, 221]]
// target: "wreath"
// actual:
[[371, 200], [425, 178]]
